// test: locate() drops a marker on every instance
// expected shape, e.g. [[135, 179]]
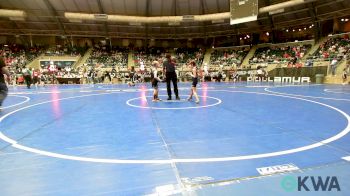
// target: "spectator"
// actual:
[[333, 65], [27, 77]]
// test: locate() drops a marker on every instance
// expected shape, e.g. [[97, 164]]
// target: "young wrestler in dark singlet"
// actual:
[[155, 79], [194, 76]]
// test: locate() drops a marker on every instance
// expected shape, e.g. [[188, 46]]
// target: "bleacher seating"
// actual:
[[18, 55], [334, 47], [104, 59], [59, 50], [186, 55], [104, 56], [228, 57], [279, 54], [147, 55]]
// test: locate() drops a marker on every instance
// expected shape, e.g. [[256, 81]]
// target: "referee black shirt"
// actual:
[[168, 66]]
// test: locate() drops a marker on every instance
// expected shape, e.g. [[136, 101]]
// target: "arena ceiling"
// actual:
[[47, 17]]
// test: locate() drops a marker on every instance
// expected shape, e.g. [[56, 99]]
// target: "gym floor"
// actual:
[[113, 140]]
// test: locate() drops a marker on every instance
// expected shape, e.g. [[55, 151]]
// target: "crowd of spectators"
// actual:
[[334, 47], [66, 50], [280, 54], [187, 55], [42, 76], [105, 56], [116, 58], [18, 55], [228, 57], [143, 57]]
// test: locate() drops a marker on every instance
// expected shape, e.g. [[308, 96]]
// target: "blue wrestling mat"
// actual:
[[113, 140]]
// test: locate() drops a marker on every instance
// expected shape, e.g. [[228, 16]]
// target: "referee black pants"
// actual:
[[28, 80], [171, 76], [3, 92]]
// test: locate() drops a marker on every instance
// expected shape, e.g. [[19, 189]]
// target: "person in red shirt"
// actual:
[[325, 55], [35, 75], [286, 56]]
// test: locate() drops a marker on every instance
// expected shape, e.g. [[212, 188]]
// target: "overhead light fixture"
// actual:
[[276, 11], [217, 21], [135, 23], [275, 8], [244, 20], [267, 33], [12, 13], [188, 18], [17, 18], [75, 20], [174, 23], [287, 30], [101, 17]]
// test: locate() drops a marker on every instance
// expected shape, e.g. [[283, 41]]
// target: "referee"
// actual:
[[3, 87], [170, 74]]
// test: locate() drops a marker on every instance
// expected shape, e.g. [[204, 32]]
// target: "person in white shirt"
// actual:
[[260, 73], [142, 71], [142, 67], [155, 79], [221, 67], [334, 65], [206, 72]]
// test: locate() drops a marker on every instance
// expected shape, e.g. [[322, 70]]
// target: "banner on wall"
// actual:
[[285, 75], [57, 64]]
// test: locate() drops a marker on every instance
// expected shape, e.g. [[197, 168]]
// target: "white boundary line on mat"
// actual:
[[297, 95], [168, 108], [341, 134], [17, 104]]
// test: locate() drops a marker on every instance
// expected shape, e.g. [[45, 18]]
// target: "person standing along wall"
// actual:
[[333, 65]]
